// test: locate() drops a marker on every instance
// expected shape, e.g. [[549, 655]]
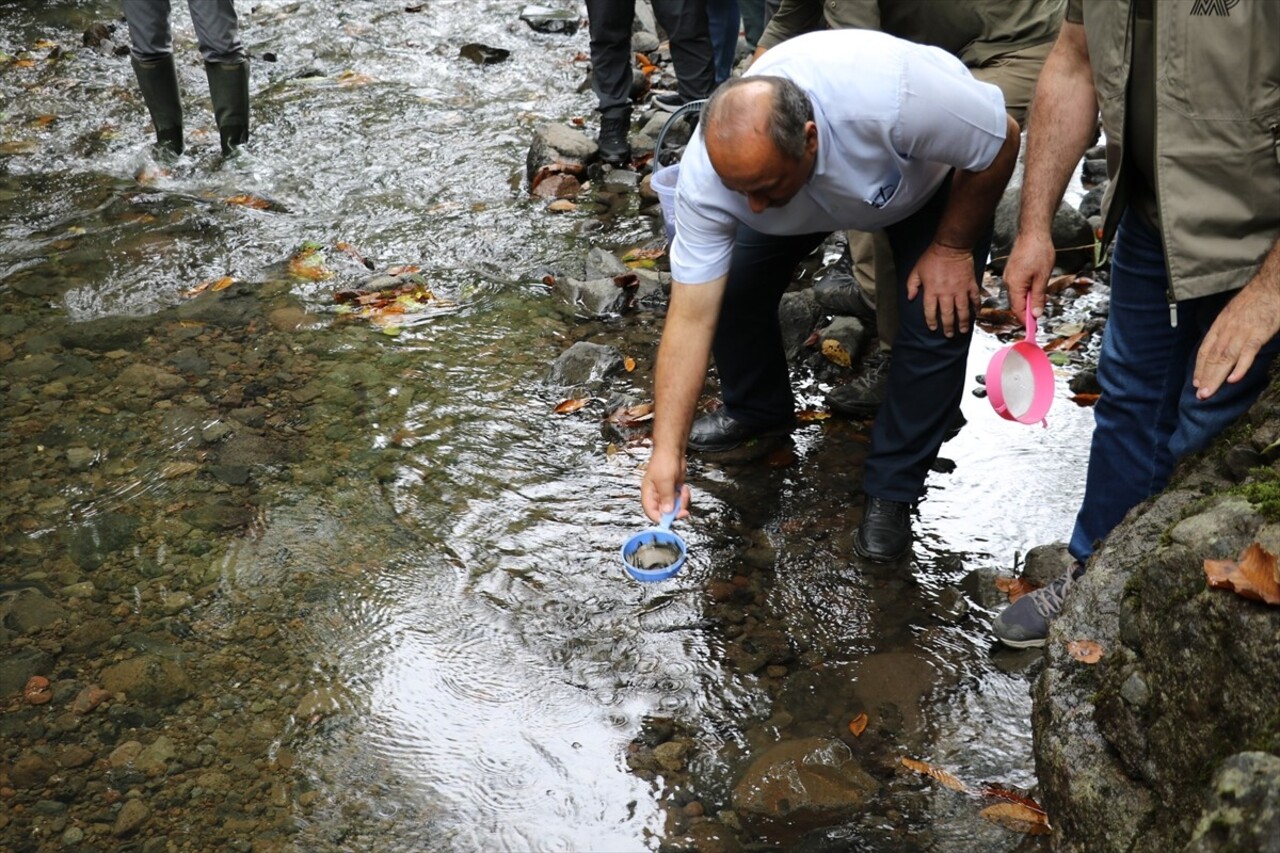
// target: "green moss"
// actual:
[[1263, 491]]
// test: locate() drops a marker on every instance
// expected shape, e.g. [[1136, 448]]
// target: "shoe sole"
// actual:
[[1035, 643]]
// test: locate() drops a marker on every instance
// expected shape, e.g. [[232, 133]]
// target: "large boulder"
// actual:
[[1072, 235], [798, 785], [1134, 753]]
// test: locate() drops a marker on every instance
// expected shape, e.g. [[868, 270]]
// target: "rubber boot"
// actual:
[[229, 89], [158, 81]]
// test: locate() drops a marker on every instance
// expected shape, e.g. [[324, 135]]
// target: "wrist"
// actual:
[[953, 247]]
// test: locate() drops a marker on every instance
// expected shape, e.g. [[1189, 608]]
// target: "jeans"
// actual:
[[725, 23], [1148, 416]]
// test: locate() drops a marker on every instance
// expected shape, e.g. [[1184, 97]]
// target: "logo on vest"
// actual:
[[884, 196], [1220, 8]]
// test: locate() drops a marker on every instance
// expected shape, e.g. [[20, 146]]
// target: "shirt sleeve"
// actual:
[[793, 18], [946, 116]]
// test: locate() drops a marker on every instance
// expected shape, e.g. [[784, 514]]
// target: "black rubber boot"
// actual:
[[615, 149], [158, 82], [229, 89]]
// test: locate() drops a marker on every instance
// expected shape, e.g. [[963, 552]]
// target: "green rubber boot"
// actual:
[[158, 81], [229, 89]]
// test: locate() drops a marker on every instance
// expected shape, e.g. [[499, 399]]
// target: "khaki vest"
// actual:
[[1217, 134]]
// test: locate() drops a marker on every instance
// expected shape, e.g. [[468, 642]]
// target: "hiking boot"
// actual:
[[229, 90], [862, 397], [668, 102], [158, 82], [1025, 623], [885, 532], [614, 147], [838, 291], [718, 432]]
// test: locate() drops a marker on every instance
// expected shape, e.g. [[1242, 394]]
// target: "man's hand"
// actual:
[[663, 477], [1244, 326], [950, 292], [1026, 275]]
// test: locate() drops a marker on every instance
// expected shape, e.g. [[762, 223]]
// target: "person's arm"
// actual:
[[945, 270], [793, 18], [1065, 110], [681, 372], [1243, 327]]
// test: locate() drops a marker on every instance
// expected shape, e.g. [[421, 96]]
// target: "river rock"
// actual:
[[586, 364], [18, 666], [1072, 235], [31, 770], [599, 298], [149, 679], [133, 814], [1243, 810], [28, 609], [848, 337], [560, 147], [798, 316], [1091, 203], [797, 785], [545, 19], [1093, 172], [1126, 750]]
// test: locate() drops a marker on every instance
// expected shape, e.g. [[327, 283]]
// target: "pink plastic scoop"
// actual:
[[1020, 379]]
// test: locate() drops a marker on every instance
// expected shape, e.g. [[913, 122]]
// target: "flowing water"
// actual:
[[389, 570]]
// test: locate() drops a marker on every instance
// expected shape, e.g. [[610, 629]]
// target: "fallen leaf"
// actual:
[[644, 254], [1012, 796], [247, 200], [936, 773], [1065, 344], [309, 263], [809, 416], [1015, 588], [568, 406], [835, 352], [1085, 651], [1254, 576], [1017, 817], [629, 364], [858, 724], [214, 284], [1084, 400]]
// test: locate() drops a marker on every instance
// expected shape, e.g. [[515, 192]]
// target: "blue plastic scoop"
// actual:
[[655, 554]]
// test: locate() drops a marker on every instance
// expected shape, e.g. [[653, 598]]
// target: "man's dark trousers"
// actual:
[[611, 58], [926, 375]]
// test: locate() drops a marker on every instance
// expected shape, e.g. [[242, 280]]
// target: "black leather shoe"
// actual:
[[614, 147], [885, 532], [717, 432], [862, 397], [838, 291]]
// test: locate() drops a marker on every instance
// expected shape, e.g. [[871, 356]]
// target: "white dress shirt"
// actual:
[[893, 119]]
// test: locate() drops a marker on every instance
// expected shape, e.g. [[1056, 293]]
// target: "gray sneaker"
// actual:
[[1025, 623]]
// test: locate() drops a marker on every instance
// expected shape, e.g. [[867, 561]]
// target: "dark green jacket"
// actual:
[[1217, 134], [976, 31]]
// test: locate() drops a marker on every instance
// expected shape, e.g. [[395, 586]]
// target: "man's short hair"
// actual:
[[791, 111]]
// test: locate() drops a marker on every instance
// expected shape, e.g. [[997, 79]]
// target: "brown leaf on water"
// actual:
[[214, 284], [1084, 400], [809, 416], [644, 254], [309, 263], [858, 724], [939, 775], [354, 253], [1003, 793], [1085, 651], [246, 200], [1015, 588], [567, 406], [1254, 576], [629, 416], [1017, 817], [629, 364]]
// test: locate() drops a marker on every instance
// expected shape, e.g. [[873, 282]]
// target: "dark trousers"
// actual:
[[926, 375], [611, 58]]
